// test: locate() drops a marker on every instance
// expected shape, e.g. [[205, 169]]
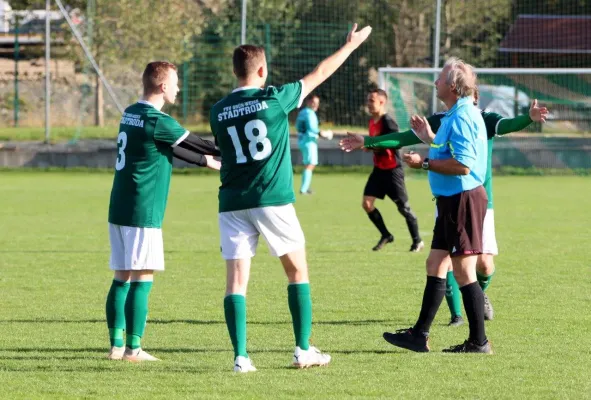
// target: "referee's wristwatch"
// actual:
[[425, 164]]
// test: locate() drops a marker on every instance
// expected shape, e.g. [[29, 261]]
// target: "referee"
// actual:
[[387, 177], [457, 165]]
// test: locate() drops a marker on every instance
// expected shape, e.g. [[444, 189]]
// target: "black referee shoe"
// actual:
[[470, 347], [456, 321], [383, 241], [406, 339]]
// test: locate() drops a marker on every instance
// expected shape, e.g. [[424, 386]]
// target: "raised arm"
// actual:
[[329, 65]]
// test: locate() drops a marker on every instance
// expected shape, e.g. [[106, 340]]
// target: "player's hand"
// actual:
[[537, 113], [413, 160], [356, 38], [351, 142], [422, 129], [212, 163]]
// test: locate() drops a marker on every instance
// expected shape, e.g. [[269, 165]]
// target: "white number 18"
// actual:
[[253, 141]]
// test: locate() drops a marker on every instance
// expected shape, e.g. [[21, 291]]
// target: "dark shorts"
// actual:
[[386, 182], [459, 222]]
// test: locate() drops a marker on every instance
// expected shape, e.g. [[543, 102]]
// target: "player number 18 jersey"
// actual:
[[252, 131]]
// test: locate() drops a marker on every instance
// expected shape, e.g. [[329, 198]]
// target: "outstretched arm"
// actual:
[[329, 65], [536, 113], [393, 140]]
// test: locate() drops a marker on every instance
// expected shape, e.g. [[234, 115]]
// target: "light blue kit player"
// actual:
[[308, 131]]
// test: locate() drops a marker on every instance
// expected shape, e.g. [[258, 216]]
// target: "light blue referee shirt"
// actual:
[[462, 135], [307, 125]]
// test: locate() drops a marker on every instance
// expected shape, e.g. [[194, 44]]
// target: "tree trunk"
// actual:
[[99, 118]]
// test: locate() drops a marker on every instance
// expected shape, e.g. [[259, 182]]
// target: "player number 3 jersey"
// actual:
[[252, 131], [144, 166]]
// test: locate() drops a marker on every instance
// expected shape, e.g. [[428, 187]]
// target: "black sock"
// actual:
[[432, 298], [473, 298], [413, 228], [378, 221], [411, 220]]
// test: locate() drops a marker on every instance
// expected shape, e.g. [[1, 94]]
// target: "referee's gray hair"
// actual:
[[461, 75]]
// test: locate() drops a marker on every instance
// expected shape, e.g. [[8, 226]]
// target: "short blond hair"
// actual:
[[461, 75]]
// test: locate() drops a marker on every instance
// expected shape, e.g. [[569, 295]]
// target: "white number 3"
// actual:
[[121, 144], [253, 140]]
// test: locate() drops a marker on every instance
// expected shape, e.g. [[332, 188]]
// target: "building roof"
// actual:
[[551, 34]]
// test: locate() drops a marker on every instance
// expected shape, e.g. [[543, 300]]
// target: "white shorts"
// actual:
[[135, 248], [489, 238], [240, 230]]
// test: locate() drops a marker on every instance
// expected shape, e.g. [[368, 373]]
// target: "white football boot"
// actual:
[[116, 353], [309, 358], [138, 355], [243, 365]]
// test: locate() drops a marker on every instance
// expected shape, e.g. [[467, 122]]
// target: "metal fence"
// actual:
[[296, 36]]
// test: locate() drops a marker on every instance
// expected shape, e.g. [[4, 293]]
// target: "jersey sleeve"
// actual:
[[393, 140], [508, 125], [491, 121], [290, 95], [389, 125], [169, 131], [435, 121], [461, 142]]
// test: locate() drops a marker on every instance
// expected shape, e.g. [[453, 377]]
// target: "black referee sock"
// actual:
[[473, 297], [378, 221], [432, 298]]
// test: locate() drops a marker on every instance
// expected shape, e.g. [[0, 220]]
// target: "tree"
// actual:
[[474, 33]]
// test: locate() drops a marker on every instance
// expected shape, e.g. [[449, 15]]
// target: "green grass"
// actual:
[[54, 278]]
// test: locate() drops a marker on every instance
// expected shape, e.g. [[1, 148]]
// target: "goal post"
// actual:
[[507, 91]]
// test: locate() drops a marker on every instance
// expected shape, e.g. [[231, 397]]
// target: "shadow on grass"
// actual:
[[92, 351], [198, 322], [106, 251], [107, 366]]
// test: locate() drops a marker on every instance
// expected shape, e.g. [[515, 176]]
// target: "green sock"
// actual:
[[452, 295], [300, 306], [235, 312], [484, 280], [136, 312], [115, 309]]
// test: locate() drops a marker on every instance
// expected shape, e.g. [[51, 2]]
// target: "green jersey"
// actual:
[[252, 132], [144, 166]]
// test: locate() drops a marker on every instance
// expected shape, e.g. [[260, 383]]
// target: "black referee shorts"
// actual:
[[386, 182]]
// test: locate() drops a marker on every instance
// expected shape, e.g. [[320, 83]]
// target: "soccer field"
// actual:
[[54, 278]]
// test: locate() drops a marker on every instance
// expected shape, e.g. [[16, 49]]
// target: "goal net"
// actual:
[[508, 91]]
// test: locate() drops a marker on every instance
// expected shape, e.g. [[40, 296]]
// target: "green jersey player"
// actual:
[[256, 194], [496, 125], [147, 141]]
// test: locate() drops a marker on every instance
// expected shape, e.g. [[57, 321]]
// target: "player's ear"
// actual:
[[261, 71]]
